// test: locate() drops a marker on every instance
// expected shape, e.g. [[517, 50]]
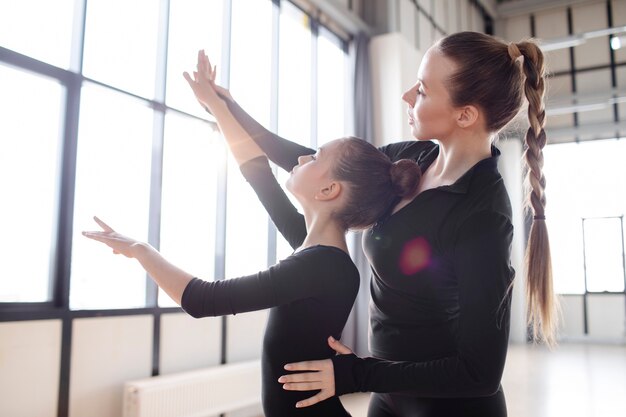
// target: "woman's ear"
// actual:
[[467, 116], [329, 192]]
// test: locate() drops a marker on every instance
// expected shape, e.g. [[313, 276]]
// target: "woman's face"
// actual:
[[430, 112], [313, 172]]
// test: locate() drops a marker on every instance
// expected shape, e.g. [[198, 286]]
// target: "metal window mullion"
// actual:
[[222, 174], [78, 36], [156, 175], [349, 79], [570, 31], [586, 293], [609, 13], [65, 215], [314, 27], [621, 222], [61, 280], [272, 235], [158, 126]]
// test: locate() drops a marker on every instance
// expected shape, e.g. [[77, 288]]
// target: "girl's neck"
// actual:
[[323, 230]]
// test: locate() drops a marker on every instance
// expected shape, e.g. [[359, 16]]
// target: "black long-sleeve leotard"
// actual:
[[441, 276], [310, 295]]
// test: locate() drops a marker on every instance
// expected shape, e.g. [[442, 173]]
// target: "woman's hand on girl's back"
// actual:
[[321, 376]]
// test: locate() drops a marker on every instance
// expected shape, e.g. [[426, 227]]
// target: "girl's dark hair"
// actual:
[[375, 184], [489, 76]]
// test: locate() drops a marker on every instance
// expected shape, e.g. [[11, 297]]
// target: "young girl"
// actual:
[[346, 184]]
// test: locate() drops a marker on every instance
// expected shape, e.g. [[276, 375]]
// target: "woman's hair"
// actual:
[[375, 184], [489, 76]]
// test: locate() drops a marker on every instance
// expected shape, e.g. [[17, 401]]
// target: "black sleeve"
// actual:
[[482, 264], [406, 150], [297, 277], [288, 221], [282, 152]]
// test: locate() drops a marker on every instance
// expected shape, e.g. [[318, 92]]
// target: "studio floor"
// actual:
[[574, 380]]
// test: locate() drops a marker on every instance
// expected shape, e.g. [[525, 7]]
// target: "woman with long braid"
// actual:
[[441, 273]]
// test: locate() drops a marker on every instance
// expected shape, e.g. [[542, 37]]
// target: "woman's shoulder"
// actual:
[[410, 149]]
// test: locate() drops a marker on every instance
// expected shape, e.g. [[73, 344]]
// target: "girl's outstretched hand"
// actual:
[[321, 376], [119, 243], [203, 83]]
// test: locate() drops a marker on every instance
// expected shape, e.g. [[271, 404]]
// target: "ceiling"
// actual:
[[509, 8]]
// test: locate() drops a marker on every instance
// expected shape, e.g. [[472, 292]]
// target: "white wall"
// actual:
[[30, 353], [510, 166], [188, 343], [106, 352]]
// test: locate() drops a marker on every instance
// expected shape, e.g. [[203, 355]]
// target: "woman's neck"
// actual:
[[455, 158], [322, 229]]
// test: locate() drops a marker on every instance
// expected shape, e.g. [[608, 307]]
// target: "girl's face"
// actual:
[[313, 172], [430, 112]]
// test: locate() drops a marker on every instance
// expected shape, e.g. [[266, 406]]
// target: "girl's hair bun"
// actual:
[[405, 177]]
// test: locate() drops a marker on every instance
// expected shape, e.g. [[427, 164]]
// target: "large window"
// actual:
[[193, 25], [29, 179], [119, 51], [41, 29], [193, 154], [250, 83], [332, 70], [102, 123], [586, 233], [113, 183]]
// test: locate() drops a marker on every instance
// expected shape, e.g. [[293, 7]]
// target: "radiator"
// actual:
[[198, 393]]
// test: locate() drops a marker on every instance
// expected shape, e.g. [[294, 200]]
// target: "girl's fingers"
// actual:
[[98, 236], [103, 225], [200, 63], [207, 61], [210, 73]]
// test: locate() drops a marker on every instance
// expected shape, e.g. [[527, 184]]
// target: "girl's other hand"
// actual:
[[119, 243]]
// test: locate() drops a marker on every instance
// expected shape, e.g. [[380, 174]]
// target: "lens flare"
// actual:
[[415, 256]]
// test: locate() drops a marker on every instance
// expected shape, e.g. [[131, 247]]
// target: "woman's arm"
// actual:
[[280, 151], [482, 264]]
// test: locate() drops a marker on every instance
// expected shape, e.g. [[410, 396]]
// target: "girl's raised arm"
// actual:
[[281, 151]]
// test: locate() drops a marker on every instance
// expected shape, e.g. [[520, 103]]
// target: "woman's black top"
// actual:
[[440, 288], [310, 295]]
